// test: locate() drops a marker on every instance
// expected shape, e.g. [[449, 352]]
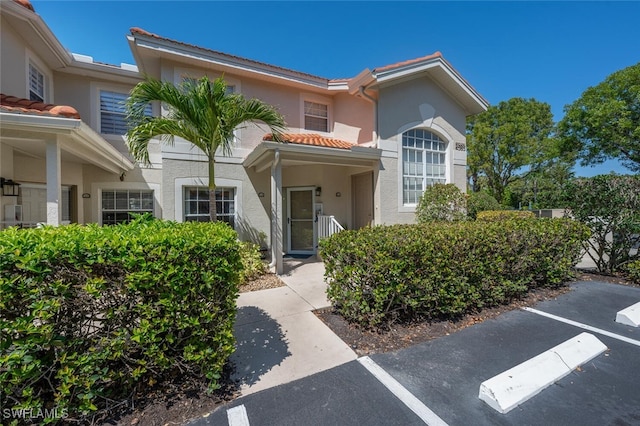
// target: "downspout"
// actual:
[[375, 112], [274, 219]]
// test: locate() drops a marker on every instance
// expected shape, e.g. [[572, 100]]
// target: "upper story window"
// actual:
[[36, 84], [113, 115], [316, 116], [423, 163]]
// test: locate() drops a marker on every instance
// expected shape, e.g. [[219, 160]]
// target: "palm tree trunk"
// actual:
[[212, 191]]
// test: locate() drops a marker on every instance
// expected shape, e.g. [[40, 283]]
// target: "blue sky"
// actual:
[[550, 51]]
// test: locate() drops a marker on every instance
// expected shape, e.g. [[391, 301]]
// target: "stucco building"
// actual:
[[358, 151]]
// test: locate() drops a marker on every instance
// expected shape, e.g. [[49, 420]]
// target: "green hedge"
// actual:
[[384, 274], [633, 271], [500, 215], [91, 314]]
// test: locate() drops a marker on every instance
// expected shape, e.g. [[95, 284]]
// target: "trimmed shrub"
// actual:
[[92, 314], [384, 274], [479, 202], [501, 215], [633, 271], [252, 264], [441, 202]]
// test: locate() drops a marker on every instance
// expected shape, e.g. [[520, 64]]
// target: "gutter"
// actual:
[[371, 99]]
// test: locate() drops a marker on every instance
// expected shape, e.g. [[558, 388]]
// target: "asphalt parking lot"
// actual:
[[439, 380]]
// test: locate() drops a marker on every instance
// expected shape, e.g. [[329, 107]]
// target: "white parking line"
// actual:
[[413, 403], [237, 416], [584, 326]]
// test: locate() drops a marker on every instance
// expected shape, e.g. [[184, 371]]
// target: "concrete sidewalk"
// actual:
[[279, 338]]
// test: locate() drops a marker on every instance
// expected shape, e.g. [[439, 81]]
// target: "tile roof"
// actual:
[[311, 139], [25, 3], [409, 62], [142, 32], [25, 106]]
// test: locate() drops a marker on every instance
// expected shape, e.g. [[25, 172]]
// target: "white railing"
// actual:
[[327, 226]]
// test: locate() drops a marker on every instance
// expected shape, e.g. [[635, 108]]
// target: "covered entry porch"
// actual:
[[44, 150], [314, 190]]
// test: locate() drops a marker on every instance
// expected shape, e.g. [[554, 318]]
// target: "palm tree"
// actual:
[[201, 112]]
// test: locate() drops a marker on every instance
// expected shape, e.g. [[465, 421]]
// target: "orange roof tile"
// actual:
[[25, 3], [21, 105], [409, 62], [311, 139], [142, 32]]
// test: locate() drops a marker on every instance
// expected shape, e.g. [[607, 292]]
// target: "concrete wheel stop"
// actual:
[[629, 316], [511, 388]]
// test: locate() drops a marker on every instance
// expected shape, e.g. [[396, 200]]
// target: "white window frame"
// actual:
[[316, 99], [202, 181], [115, 210], [96, 112], [33, 61], [98, 187], [423, 164], [436, 130], [39, 88], [205, 190]]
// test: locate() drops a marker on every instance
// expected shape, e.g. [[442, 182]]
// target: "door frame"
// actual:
[[354, 197], [313, 219]]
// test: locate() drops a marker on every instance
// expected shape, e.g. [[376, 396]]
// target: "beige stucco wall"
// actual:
[[14, 60], [252, 211], [415, 103], [33, 170], [351, 118], [95, 180]]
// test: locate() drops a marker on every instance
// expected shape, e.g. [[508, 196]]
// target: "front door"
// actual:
[[300, 220]]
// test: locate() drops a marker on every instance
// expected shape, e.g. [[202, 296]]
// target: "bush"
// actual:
[[501, 215], [252, 264], [94, 314], [441, 202], [633, 271], [394, 273], [610, 206], [481, 201]]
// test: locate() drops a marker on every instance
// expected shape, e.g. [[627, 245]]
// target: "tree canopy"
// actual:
[[202, 112], [604, 122], [508, 141]]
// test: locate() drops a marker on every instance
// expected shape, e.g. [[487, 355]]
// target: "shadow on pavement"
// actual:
[[260, 345]]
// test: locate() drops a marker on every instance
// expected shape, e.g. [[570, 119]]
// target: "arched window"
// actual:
[[423, 163]]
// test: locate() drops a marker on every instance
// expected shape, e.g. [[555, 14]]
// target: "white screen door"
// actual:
[[301, 220]]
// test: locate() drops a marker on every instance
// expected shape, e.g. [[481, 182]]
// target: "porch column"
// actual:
[[54, 190], [276, 213]]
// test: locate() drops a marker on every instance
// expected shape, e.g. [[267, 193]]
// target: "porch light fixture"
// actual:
[[338, 194], [261, 194], [9, 187], [318, 191]]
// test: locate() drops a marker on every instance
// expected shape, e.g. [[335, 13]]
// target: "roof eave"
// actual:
[[139, 42], [93, 147], [473, 102], [356, 152], [37, 25]]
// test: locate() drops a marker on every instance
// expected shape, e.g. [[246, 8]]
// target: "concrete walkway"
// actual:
[[279, 338]]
